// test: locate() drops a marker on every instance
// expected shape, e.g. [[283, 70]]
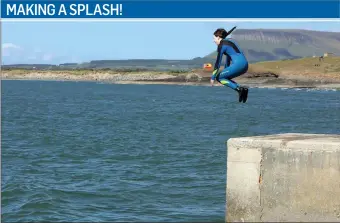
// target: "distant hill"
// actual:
[[270, 44], [258, 45], [145, 64]]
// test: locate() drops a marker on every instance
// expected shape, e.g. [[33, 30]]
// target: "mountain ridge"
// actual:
[[258, 45], [277, 44]]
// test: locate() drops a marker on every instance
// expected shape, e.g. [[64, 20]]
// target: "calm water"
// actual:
[[100, 152]]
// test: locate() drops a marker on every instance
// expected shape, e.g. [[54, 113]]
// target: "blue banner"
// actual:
[[170, 9]]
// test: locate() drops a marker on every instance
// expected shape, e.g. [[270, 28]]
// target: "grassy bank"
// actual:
[[307, 69]]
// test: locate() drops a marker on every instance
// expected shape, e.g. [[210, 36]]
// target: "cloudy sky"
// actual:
[[59, 42]]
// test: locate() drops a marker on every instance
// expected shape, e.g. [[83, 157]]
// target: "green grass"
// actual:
[[330, 65]]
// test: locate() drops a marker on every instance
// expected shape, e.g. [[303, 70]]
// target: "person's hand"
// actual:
[[212, 82]]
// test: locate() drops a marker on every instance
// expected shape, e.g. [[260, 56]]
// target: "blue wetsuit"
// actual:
[[236, 63]]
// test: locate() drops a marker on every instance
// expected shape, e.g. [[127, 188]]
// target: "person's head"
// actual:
[[219, 35]]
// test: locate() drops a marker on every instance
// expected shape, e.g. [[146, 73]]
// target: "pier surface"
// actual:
[[284, 177]]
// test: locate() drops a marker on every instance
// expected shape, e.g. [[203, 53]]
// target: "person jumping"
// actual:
[[236, 63]]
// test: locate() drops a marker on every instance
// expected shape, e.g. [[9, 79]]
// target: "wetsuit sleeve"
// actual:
[[217, 63]]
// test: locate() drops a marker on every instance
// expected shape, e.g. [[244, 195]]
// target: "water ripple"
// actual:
[[100, 152]]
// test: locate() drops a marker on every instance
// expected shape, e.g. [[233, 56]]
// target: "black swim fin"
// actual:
[[240, 94], [245, 95]]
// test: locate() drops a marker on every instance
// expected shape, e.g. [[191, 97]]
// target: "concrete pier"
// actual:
[[285, 177]]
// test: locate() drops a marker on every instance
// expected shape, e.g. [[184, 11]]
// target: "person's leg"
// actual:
[[232, 84], [225, 78], [229, 83], [226, 75]]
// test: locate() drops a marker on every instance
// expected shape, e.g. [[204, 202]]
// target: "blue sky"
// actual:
[[59, 42]]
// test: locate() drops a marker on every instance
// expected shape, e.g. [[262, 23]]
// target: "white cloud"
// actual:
[[10, 49], [37, 50], [32, 57], [6, 46], [47, 57], [15, 54]]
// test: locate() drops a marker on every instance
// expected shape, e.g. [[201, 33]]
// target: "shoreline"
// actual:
[[295, 73], [250, 84]]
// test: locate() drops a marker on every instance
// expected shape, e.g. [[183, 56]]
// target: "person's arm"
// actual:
[[217, 63]]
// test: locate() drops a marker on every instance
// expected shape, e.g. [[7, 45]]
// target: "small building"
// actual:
[[327, 54]]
